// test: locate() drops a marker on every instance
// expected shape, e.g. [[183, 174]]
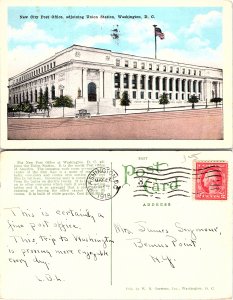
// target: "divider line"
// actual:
[[111, 223]]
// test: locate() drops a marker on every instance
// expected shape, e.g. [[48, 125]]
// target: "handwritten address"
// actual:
[[159, 244]]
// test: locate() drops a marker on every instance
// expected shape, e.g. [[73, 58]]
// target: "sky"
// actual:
[[192, 34]]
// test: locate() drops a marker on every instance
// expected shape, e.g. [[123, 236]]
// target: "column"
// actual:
[[84, 85], [218, 95], [121, 83], [160, 85], [201, 92], [49, 91], [101, 88], [208, 90], [167, 85], [138, 86], [220, 90], [191, 87], [186, 89], [31, 96], [130, 85], [204, 91], [153, 87], [146, 87], [180, 90], [173, 90], [113, 85]]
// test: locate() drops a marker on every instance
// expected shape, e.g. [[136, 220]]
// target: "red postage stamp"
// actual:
[[211, 180]]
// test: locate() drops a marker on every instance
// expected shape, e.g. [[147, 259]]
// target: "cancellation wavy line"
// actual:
[[143, 190], [174, 191], [150, 182], [162, 170], [154, 178], [145, 195], [208, 167], [202, 171], [158, 174], [178, 195]]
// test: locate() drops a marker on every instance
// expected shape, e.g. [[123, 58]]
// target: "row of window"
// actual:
[[164, 68], [35, 82], [143, 95], [46, 78], [35, 72], [166, 84]]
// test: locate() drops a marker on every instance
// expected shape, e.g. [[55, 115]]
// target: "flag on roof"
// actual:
[[158, 32]]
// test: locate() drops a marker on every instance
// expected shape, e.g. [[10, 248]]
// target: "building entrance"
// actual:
[[92, 92]]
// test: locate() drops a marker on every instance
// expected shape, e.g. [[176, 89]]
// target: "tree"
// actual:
[[63, 101], [13, 107], [125, 99], [193, 99], [26, 107], [42, 100], [46, 98], [43, 103], [163, 99], [216, 100]]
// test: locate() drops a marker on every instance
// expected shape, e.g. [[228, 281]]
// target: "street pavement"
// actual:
[[203, 124]]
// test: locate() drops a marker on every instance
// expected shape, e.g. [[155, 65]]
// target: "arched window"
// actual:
[[92, 91]]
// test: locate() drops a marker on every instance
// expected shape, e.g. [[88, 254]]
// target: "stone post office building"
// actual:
[[97, 75]]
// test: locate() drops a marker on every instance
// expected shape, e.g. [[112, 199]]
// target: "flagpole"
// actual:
[[155, 41]]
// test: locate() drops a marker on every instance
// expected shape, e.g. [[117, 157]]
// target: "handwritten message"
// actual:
[[37, 239]]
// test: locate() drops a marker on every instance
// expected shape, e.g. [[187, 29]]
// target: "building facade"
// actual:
[[96, 75]]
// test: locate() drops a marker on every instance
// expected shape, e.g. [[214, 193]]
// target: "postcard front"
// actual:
[[125, 225], [68, 70]]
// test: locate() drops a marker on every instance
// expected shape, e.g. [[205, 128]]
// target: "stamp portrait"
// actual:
[[211, 180]]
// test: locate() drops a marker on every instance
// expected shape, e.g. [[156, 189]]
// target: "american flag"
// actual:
[[158, 32]]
